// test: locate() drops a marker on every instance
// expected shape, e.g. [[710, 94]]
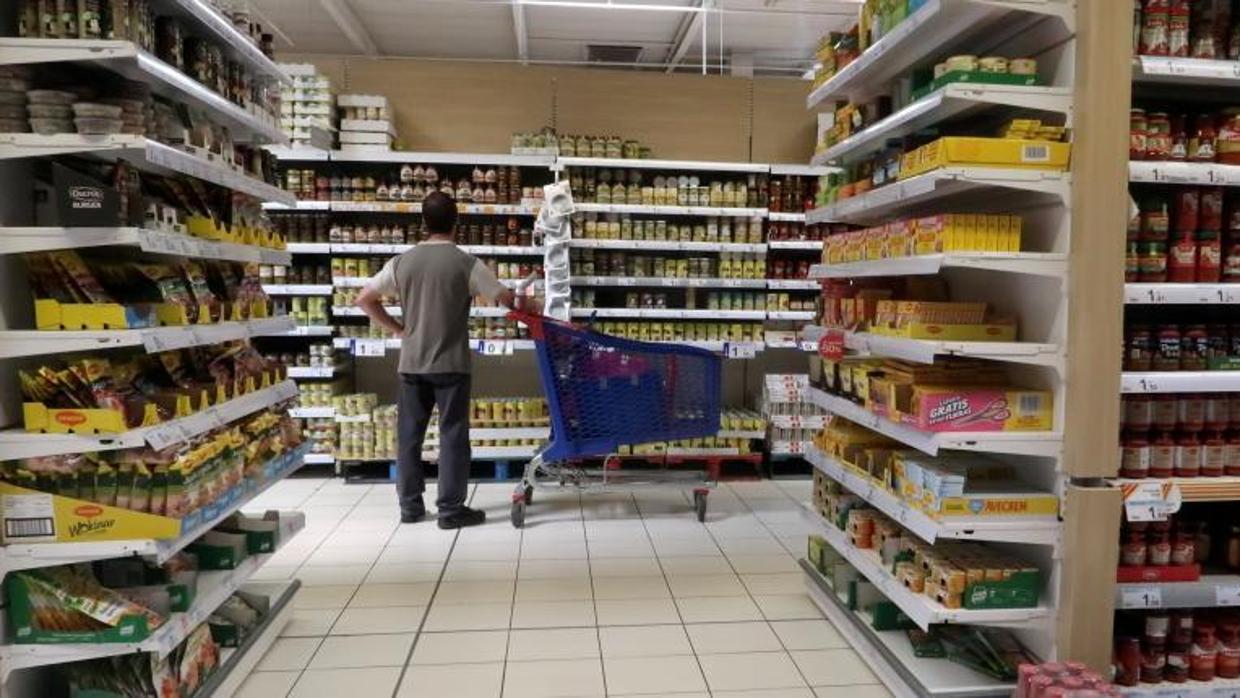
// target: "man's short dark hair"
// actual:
[[439, 213]]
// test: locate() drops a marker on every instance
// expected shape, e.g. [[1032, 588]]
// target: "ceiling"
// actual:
[[775, 37]]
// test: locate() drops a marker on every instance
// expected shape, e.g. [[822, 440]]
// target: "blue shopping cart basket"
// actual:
[[604, 392]]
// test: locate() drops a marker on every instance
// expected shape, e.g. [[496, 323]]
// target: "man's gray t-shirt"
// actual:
[[435, 282]]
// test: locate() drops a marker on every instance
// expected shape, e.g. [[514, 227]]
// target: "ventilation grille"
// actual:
[[612, 53]]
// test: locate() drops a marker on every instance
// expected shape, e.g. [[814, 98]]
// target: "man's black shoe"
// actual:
[[412, 516], [461, 519]]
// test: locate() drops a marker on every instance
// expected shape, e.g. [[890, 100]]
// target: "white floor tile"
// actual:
[[841, 667], [706, 585], [342, 556], [324, 597], [684, 547], [475, 591], [267, 684], [332, 575], [468, 616], [620, 548], [368, 621], [770, 693], [480, 646], [777, 583], [631, 675], [554, 589], [808, 635], [404, 573], [387, 595], [737, 672], [394, 554], [455, 680], [718, 638], [553, 569], [310, 622], [554, 550], [349, 652], [554, 678], [486, 551], [372, 682], [289, 654], [553, 614], [696, 564], [717, 609], [611, 588], [787, 606], [867, 690], [636, 612], [624, 567], [553, 643], [644, 641], [479, 570]]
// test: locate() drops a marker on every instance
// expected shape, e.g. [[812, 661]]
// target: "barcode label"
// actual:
[[29, 528], [1035, 153], [1030, 404]]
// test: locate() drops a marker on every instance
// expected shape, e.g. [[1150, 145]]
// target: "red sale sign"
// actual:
[[831, 345]]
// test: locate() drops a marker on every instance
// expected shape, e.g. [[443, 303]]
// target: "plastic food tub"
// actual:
[[95, 110], [95, 125], [50, 111], [51, 97], [49, 127], [13, 111], [14, 125], [13, 84], [12, 98]]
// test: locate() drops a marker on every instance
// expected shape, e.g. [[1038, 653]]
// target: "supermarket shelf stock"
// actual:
[[1032, 443], [20, 240], [1038, 530], [236, 664], [237, 44], [1032, 263], [16, 444], [16, 343]]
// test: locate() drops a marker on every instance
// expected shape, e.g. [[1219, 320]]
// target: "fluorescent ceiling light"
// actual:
[[582, 4]]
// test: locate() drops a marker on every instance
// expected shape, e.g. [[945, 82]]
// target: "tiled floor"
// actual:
[[601, 595]]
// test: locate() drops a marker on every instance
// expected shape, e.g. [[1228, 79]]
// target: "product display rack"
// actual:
[[125, 59], [1041, 285]]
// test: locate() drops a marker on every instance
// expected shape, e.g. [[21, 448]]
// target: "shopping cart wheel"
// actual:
[[529, 494], [518, 513], [699, 504]]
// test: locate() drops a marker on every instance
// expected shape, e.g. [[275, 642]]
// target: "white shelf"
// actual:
[[1181, 294], [925, 350], [502, 433], [19, 240], [320, 459], [648, 164], [213, 588], [311, 371], [236, 44], [878, 204], [794, 284], [1031, 263], [790, 448], [1179, 382], [149, 155], [890, 654], [124, 58], [1031, 443], [920, 608], [311, 331], [298, 153], [299, 205], [666, 281], [1218, 688], [15, 343], [671, 313], [309, 248], [741, 434], [16, 444], [1166, 172], [1210, 591], [410, 207], [786, 216], [951, 101], [797, 315], [1194, 72], [668, 245], [808, 245], [796, 170], [350, 281], [18, 556], [236, 664], [430, 158], [673, 210], [297, 289], [797, 421], [934, 29], [503, 250], [1194, 489], [1039, 530], [327, 412]]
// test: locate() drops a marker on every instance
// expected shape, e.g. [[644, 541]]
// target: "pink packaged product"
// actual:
[[951, 408], [1061, 680]]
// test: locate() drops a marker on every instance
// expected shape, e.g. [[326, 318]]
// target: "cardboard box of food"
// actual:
[[966, 151]]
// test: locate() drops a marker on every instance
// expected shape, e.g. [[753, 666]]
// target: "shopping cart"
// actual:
[[603, 392]]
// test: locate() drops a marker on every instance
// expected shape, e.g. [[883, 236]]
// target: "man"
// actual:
[[435, 282]]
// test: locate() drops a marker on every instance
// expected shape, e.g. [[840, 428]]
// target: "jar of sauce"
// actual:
[[1128, 660], [1233, 547], [1194, 348], [1202, 144], [1182, 548], [1228, 666], [1166, 413], [1138, 413], [1153, 661], [1231, 457], [1158, 136], [1188, 455], [1191, 412], [1203, 657], [1135, 455], [1167, 348], [1162, 455], [1213, 454], [1158, 543], [1133, 552], [1140, 348], [1182, 258]]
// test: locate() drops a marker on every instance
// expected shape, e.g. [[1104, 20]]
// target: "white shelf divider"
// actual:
[[925, 350], [1210, 591], [733, 212], [650, 164], [1204, 173], [1036, 530], [20, 240], [1031, 263], [16, 343], [671, 313], [668, 245], [1196, 72]]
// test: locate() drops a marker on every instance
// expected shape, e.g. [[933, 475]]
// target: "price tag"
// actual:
[[1227, 595], [626, 281], [153, 342], [831, 345], [1226, 692], [1150, 501], [369, 347], [495, 347], [1141, 597], [739, 351]]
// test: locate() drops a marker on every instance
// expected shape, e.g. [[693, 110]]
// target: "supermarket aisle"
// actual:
[[609, 595]]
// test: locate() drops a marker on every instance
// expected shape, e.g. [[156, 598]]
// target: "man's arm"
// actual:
[[482, 282], [370, 300]]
